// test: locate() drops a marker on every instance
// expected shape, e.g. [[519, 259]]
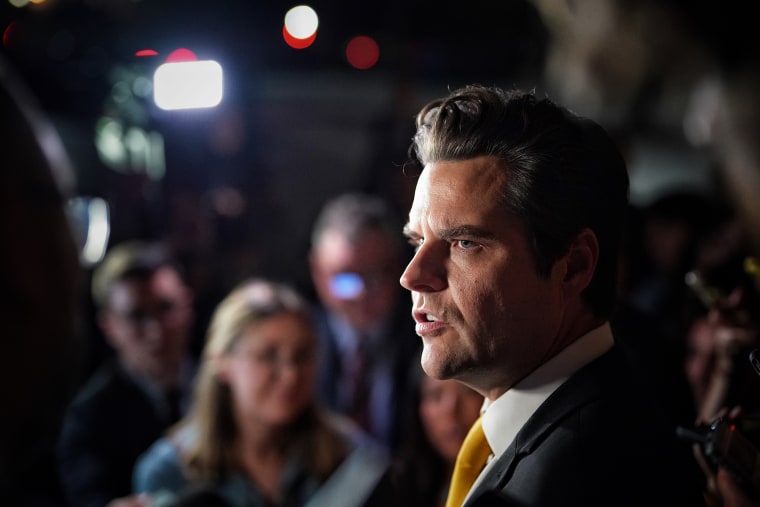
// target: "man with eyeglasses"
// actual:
[[356, 257], [145, 313]]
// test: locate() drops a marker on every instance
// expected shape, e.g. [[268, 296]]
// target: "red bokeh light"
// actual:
[[182, 55], [146, 52], [11, 33], [296, 43], [362, 52]]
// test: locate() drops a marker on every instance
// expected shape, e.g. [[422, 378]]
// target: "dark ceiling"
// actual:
[[65, 48]]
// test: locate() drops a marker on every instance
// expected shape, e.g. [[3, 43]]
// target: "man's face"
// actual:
[[484, 315], [148, 323], [358, 280]]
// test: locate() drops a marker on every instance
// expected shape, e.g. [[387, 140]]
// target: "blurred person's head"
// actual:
[[437, 416], [145, 309], [256, 376], [41, 283], [671, 229], [262, 345], [356, 258], [447, 410]]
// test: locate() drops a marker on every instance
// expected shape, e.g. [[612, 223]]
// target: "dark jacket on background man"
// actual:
[[108, 425]]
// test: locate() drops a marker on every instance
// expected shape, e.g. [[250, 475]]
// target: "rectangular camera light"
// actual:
[[188, 85]]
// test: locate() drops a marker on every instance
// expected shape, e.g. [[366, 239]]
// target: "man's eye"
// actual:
[[465, 243]]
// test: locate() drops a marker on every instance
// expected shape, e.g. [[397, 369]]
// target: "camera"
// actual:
[[724, 444]]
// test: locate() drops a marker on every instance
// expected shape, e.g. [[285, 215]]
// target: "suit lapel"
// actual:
[[583, 387]]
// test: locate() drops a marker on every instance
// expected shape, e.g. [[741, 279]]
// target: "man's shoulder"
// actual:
[[106, 395], [601, 413], [601, 403], [609, 388], [106, 381]]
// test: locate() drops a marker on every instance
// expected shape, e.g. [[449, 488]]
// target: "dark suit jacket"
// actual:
[[108, 425], [596, 441], [399, 347]]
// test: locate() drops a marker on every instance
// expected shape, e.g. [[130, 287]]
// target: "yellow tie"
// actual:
[[471, 459]]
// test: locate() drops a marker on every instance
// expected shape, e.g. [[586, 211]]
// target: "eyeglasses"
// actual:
[[142, 316], [272, 359]]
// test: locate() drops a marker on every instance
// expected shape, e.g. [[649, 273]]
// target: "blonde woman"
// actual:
[[255, 435]]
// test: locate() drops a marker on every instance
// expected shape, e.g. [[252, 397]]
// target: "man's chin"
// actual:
[[432, 362]]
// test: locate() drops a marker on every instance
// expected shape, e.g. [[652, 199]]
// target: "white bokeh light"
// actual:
[[188, 85], [301, 21]]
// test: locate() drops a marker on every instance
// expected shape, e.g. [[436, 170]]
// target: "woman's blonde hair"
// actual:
[[211, 452]]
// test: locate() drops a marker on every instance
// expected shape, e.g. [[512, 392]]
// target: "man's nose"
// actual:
[[426, 272]]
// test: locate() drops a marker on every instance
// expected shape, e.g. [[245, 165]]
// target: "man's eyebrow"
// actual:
[[454, 232], [465, 230], [408, 232]]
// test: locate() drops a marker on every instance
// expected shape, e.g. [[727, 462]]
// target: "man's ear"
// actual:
[[580, 260]]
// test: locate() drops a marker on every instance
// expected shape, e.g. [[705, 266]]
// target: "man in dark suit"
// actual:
[[145, 312], [366, 332], [517, 220]]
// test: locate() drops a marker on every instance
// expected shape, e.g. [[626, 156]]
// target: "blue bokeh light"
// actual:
[[346, 285]]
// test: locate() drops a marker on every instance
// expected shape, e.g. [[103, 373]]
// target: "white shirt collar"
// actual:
[[503, 417]]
